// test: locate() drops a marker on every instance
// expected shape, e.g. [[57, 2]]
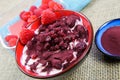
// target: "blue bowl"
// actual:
[[99, 33]]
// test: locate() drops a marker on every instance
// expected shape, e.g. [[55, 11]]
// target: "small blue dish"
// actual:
[[99, 33]]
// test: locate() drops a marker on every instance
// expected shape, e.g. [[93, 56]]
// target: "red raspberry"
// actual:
[[25, 15], [12, 42], [46, 1], [38, 12], [32, 8], [24, 25], [26, 35], [36, 24], [44, 6], [9, 37], [21, 14], [54, 5], [48, 16], [32, 18]]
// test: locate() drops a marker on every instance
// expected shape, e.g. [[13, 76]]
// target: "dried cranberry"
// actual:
[[61, 43], [34, 41], [52, 48], [48, 68], [42, 28], [56, 63], [29, 45], [80, 47], [48, 38], [68, 38], [64, 46], [56, 24], [57, 56], [47, 30], [67, 55], [46, 55], [46, 46], [71, 20], [43, 62], [27, 59], [56, 40], [82, 31], [34, 56], [53, 35], [41, 37], [38, 48], [61, 33], [33, 66], [57, 29], [66, 65], [56, 47]]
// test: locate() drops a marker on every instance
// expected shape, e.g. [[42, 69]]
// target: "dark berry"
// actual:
[[46, 55], [81, 31], [80, 47], [71, 20], [56, 63]]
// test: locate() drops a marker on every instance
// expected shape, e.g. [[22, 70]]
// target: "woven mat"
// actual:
[[95, 67]]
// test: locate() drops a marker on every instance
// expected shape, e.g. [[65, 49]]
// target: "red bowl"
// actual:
[[86, 23]]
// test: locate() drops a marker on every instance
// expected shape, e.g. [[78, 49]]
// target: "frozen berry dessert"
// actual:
[[59, 43], [55, 46]]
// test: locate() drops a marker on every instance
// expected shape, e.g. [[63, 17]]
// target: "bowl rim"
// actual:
[[76, 61]]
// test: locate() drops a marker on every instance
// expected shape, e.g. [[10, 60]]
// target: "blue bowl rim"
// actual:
[[98, 36]]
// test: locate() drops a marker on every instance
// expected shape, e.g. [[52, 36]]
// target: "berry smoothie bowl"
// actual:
[[59, 43]]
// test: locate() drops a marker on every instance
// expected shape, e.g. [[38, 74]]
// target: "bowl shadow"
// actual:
[[100, 56]]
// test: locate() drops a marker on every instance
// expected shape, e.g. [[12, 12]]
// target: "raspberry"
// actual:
[[12, 42], [38, 12], [21, 14], [46, 1], [25, 25], [36, 24], [9, 37], [48, 17], [44, 6], [25, 15], [54, 5], [32, 18], [26, 35], [32, 8]]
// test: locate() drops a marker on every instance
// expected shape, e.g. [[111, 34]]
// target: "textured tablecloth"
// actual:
[[95, 67]]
